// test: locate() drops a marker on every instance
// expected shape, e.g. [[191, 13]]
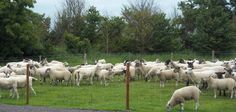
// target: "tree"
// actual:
[[21, 30], [110, 34], [69, 19], [148, 29], [92, 24], [207, 25]]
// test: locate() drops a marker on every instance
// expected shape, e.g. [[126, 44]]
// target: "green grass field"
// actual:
[[144, 96]]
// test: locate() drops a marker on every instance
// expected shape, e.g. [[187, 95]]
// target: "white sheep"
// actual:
[[222, 84], [183, 94], [11, 84], [164, 75], [59, 74], [5, 69], [21, 81], [85, 72], [104, 74], [101, 61]]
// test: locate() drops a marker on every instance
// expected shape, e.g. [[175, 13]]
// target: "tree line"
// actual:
[[200, 25]]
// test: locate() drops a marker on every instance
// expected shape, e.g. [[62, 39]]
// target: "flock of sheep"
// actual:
[[218, 75]]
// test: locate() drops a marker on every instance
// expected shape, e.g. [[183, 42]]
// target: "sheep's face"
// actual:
[[168, 107]]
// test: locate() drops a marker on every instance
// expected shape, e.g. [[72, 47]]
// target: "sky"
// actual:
[[105, 7]]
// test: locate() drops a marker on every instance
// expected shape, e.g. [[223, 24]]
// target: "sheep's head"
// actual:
[[169, 106], [48, 70], [176, 69]]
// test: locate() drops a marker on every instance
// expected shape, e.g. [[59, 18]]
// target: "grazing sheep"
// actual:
[[222, 84], [11, 84], [183, 94]]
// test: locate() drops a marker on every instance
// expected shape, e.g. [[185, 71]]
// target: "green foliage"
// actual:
[[76, 44], [93, 21], [207, 25], [21, 30], [148, 28]]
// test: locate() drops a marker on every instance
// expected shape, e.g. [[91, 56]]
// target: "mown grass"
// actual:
[[144, 96]]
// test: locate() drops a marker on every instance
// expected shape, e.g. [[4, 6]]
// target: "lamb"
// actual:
[[59, 74], [167, 75], [104, 74], [11, 84], [21, 81], [222, 84], [183, 94], [86, 72]]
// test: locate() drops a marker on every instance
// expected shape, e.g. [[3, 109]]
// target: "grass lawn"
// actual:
[[145, 97]]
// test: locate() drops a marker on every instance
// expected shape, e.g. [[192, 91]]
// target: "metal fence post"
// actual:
[[127, 85], [27, 85]]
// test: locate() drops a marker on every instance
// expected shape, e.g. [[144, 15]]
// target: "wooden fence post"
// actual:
[[213, 55], [127, 79], [85, 59], [171, 56], [27, 85]]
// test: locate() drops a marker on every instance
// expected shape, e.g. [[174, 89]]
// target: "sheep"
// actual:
[[167, 75], [118, 69], [105, 66], [104, 74], [41, 72], [199, 77], [86, 72], [152, 72], [59, 74], [5, 69], [21, 81], [8, 83], [101, 61], [222, 84], [4, 75], [181, 95], [142, 68]]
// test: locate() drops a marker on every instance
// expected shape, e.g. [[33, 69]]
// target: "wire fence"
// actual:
[[143, 95]]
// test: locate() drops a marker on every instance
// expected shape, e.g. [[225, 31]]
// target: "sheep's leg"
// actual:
[[215, 93], [79, 79], [176, 83], [196, 106], [16, 92], [160, 83], [10, 94], [181, 107], [91, 80], [232, 93], [100, 81], [32, 89]]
